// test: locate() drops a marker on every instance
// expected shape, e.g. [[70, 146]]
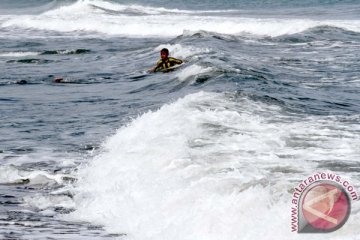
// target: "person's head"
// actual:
[[164, 53]]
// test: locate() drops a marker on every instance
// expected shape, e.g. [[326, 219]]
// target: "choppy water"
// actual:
[[268, 96]]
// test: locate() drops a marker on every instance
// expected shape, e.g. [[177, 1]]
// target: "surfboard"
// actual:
[[144, 74]]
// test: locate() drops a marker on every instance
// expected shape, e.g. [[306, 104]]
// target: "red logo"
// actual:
[[325, 207]]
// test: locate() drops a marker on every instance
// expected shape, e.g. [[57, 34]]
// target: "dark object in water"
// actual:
[[22, 82], [58, 79], [75, 51]]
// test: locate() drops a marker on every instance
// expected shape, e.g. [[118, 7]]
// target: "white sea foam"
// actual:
[[12, 175], [180, 51], [18, 54], [158, 22], [192, 70], [41, 202], [9, 174], [202, 168]]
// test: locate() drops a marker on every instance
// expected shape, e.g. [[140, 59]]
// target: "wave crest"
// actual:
[[139, 21]]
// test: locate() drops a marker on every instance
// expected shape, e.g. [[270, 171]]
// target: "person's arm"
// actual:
[[158, 65], [175, 60]]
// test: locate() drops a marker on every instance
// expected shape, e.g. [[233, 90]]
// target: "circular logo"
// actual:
[[326, 207]]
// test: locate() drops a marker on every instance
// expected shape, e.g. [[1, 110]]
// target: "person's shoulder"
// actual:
[[174, 59], [158, 62]]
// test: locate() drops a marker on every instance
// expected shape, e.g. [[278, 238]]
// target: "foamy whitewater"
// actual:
[[268, 95], [142, 21]]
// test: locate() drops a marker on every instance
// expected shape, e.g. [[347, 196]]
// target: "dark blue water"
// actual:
[[287, 71]]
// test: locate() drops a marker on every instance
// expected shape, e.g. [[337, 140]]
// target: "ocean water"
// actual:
[[269, 94]]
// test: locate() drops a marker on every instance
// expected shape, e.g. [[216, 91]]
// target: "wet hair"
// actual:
[[165, 50]]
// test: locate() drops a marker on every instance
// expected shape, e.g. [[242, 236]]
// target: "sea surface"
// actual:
[[269, 94]]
